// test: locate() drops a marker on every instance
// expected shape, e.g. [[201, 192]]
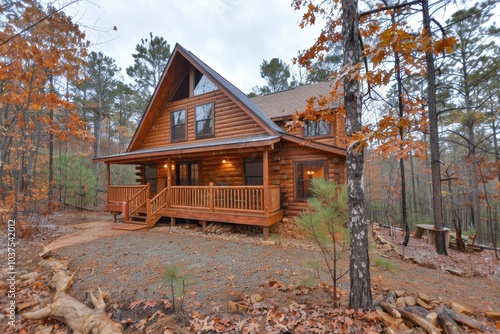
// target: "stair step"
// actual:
[[135, 222], [138, 217], [129, 227]]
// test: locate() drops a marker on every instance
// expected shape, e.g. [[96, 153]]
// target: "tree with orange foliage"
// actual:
[[40, 49], [396, 133]]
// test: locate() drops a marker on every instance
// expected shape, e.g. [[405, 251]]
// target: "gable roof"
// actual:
[[284, 104], [172, 75]]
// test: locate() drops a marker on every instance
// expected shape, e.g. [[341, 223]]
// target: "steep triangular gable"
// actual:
[[172, 76]]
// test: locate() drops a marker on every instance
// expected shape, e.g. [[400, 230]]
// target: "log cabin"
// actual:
[[205, 151]]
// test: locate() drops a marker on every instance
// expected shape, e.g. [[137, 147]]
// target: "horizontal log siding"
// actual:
[[230, 120], [229, 173], [337, 138], [282, 163]]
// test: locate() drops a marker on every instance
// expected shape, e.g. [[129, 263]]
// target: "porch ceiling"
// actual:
[[190, 147]]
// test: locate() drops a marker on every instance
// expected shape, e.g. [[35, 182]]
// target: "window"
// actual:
[[318, 128], [203, 85], [150, 177], [204, 120], [178, 125], [253, 172], [187, 173], [304, 173]]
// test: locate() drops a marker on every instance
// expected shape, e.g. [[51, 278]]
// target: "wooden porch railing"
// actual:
[[119, 194], [140, 199], [208, 198], [225, 198]]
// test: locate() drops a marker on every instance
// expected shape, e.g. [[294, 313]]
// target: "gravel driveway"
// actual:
[[130, 266]]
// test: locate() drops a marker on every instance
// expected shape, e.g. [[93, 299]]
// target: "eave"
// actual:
[[141, 156]]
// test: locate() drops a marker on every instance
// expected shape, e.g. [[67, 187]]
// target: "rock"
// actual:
[[460, 308], [386, 247], [46, 253], [236, 307], [30, 276], [256, 298], [423, 304], [400, 293], [380, 239], [410, 301], [388, 320], [432, 318], [242, 308], [424, 297], [232, 306], [493, 315], [400, 302]]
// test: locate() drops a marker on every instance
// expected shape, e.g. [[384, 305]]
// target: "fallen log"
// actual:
[[446, 322], [471, 322], [64, 308], [416, 319]]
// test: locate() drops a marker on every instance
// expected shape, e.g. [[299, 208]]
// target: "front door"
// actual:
[[187, 173]]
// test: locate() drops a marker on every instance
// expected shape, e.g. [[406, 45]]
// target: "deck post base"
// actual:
[[203, 226], [172, 221], [265, 233]]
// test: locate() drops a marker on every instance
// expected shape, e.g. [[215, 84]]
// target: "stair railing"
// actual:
[[137, 201], [156, 204]]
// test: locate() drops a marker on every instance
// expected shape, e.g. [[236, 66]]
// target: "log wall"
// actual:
[[230, 120], [282, 167]]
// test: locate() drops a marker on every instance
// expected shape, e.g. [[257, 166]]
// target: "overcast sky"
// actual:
[[231, 36]]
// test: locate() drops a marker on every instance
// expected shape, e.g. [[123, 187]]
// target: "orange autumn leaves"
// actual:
[[384, 33]]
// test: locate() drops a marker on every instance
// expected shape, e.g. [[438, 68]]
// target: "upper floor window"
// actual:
[[204, 120], [204, 85], [315, 129], [178, 125]]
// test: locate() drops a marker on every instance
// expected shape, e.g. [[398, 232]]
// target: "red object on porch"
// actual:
[[124, 209]]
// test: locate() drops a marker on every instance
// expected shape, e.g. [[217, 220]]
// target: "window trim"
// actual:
[[172, 132], [196, 120], [296, 178], [308, 123]]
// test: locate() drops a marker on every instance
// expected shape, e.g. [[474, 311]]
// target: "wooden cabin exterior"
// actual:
[[204, 151]]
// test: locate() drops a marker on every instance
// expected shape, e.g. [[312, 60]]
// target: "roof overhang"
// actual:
[[316, 145], [146, 155]]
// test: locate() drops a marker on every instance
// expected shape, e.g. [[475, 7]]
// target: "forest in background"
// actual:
[[62, 104]]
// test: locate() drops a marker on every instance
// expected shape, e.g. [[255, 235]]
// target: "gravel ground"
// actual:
[[131, 266]]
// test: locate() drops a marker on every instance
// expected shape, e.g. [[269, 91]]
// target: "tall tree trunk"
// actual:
[[51, 148], [474, 183], [360, 293], [414, 191], [434, 136], [401, 160]]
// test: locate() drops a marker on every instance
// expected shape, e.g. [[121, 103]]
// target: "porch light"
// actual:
[[224, 161], [310, 172], [165, 166]]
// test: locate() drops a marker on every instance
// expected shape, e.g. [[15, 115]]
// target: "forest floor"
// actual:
[[235, 282]]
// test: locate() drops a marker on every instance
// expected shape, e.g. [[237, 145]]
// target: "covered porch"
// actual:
[[247, 205], [228, 186]]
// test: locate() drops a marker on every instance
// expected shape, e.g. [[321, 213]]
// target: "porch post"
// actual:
[[265, 172], [169, 179], [108, 180]]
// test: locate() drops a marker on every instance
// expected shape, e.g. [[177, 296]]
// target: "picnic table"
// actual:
[[432, 231]]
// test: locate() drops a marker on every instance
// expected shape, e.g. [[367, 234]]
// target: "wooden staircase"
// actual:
[[142, 212]]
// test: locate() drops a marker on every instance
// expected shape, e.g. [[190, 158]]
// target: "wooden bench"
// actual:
[[421, 228]]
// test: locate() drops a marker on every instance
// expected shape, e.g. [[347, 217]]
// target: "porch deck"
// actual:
[[247, 205]]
